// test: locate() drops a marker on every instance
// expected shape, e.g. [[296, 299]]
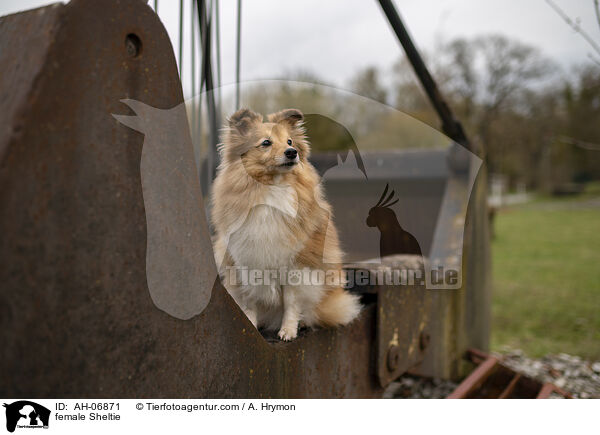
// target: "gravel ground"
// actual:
[[577, 376], [411, 387], [571, 373]]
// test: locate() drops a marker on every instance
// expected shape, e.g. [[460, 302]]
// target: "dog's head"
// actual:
[[268, 148]]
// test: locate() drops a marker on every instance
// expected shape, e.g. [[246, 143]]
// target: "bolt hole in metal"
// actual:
[[133, 45]]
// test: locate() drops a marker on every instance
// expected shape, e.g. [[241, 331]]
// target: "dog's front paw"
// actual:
[[288, 334]]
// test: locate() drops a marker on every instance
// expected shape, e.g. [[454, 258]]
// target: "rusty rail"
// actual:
[[475, 380], [493, 380]]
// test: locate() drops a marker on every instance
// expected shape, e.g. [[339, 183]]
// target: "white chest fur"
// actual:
[[263, 239]]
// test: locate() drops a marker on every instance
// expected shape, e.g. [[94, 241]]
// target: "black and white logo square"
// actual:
[[24, 414]]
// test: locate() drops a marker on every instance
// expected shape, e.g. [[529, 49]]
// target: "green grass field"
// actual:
[[546, 275]]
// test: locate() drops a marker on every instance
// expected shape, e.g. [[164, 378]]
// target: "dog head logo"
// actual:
[[26, 414]]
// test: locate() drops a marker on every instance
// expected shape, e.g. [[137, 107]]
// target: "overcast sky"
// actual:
[[335, 38]]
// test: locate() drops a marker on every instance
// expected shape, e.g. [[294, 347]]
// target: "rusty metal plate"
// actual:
[[77, 318], [402, 335], [402, 312]]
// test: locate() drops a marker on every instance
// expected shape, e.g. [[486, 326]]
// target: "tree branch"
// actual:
[[575, 26], [597, 8]]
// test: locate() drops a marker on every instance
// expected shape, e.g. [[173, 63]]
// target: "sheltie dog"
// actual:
[[276, 246]]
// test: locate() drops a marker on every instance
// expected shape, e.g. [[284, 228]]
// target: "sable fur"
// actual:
[[267, 216]]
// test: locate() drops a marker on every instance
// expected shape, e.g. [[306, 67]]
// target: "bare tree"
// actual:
[[455, 70], [484, 79], [368, 84], [407, 93], [509, 67]]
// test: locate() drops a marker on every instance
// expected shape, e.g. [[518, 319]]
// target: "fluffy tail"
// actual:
[[338, 307]]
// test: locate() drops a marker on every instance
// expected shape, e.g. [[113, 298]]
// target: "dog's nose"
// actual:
[[291, 153]]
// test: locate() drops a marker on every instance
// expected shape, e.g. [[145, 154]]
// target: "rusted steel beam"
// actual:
[[546, 390], [475, 379], [402, 317], [402, 334], [459, 318], [493, 380], [510, 387], [549, 388], [476, 356]]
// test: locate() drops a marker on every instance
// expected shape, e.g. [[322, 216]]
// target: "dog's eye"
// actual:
[[266, 143], [289, 141]]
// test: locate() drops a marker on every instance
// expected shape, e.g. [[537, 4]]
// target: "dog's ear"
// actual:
[[293, 117], [243, 119]]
